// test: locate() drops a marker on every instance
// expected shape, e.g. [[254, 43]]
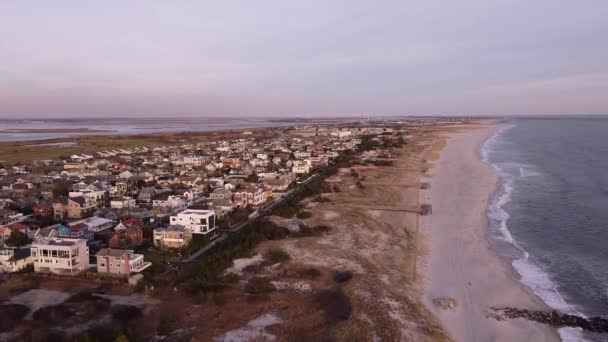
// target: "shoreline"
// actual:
[[461, 262]]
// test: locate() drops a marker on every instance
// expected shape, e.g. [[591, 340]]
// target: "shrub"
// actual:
[[278, 255], [322, 199], [199, 298], [310, 273], [232, 278], [335, 304], [219, 299], [343, 276], [259, 286], [167, 324], [360, 185], [302, 215], [336, 188]]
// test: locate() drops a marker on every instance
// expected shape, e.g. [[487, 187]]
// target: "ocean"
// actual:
[[550, 212]]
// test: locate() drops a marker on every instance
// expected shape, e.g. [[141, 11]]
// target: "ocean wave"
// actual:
[[531, 274], [569, 334]]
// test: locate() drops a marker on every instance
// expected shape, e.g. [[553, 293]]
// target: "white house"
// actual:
[[60, 256], [95, 224], [170, 202], [300, 168], [121, 262], [122, 202], [198, 221]]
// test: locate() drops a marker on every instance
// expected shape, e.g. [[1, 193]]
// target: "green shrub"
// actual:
[[219, 299], [302, 215], [278, 255], [259, 286], [232, 278], [199, 298], [167, 324]]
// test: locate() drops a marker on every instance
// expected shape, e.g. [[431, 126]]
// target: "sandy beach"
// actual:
[[461, 263]]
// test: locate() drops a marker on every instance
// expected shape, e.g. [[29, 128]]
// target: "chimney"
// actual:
[[108, 261], [127, 266]]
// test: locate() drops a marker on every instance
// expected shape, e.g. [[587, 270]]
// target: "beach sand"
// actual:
[[460, 262]]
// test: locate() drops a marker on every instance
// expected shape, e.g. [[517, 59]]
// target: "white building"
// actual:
[[198, 221], [96, 224], [60, 256], [121, 262], [122, 202]]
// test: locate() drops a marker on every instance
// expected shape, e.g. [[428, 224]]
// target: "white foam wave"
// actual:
[[569, 334], [531, 275]]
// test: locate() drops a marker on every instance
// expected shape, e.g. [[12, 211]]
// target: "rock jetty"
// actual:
[[554, 318]]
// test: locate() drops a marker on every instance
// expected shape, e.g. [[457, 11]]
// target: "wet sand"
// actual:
[[461, 263]]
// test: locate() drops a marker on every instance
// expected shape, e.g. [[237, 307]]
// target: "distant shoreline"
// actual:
[[55, 130]]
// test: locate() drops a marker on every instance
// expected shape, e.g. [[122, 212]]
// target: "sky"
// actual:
[[302, 58]]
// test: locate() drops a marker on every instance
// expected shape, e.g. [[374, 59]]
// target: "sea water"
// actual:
[[549, 215]]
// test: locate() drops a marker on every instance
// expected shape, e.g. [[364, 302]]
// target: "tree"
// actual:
[[61, 189], [17, 239]]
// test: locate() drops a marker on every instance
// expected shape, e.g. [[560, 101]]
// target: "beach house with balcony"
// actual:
[[60, 256], [198, 221], [120, 262]]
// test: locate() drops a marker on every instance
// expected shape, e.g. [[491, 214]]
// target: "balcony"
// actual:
[[136, 269]]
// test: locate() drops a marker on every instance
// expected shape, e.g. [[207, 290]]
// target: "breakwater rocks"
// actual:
[[554, 318]]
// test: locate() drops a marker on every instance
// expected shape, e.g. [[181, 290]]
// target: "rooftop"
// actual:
[[57, 242]]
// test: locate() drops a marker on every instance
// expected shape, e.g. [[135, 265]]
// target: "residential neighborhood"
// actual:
[[104, 212]]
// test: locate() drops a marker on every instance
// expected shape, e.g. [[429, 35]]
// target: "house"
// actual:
[[125, 175], [43, 209], [122, 203], [220, 193], [277, 184], [128, 234], [174, 236], [198, 221], [120, 262], [169, 202], [8, 216], [300, 168], [96, 224], [251, 195], [60, 208], [5, 233], [78, 207], [14, 259], [147, 194], [75, 231], [60, 256]]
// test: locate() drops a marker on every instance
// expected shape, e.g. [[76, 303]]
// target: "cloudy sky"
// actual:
[[297, 58]]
